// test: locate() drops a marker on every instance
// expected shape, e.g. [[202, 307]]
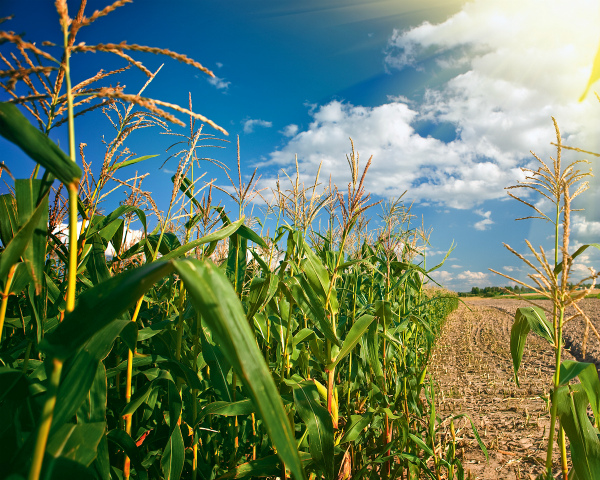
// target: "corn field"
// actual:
[[188, 343]]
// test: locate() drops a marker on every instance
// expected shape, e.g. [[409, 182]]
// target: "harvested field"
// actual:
[[473, 368]]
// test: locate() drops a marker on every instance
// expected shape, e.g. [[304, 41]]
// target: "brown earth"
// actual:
[[473, 369]]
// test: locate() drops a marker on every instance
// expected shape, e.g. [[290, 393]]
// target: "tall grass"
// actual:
[[202, 349]]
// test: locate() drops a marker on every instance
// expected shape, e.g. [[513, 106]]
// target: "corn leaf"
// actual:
[[213, 295], [356, 332], [320, 426], [17, 129], [526, 319], [572, 403], [588, 375]]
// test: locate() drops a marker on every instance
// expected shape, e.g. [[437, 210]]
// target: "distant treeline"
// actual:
[[493, 291]]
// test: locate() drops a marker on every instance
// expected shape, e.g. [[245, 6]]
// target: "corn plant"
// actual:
[[560, 185], [201, 349]]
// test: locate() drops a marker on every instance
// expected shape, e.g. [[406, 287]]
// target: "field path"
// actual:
[[473, 370]]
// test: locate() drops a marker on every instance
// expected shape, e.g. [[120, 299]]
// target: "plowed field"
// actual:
[[473, 368]]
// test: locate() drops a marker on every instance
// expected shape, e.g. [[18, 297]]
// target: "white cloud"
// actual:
[[218, 83], [442, 277], [486, 222], [219, 65], [255, 122], [472, 276], [507, 268], [506, 70], [585, 228], [290, 130]]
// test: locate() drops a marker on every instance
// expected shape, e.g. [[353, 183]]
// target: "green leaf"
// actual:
[[373, 353], [173, 456], [212, 237], [96, 265], [306, 334], [320, 426], [316, 273], [80, 371], [357, 424], [77, 442], [142, 394], [356, 332], [588, 375], [299, 291], [19, 243], [572, 403], [237, 261], [227, 409], [101, 305], [261, 292], [219, 368], [213, 295], [251, 235], [578, 252], [133, 161], [8, 219], [263, 467], [109, 224], [126, 443], [17, 129], [527, 318]]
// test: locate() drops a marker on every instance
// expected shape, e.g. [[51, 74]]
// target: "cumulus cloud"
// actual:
[[250, 123], [218, 83], [584, 228], [442, 277], [486, 222], [506, 69], [290, 130], [472, 276]]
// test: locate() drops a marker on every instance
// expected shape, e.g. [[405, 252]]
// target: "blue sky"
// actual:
[[448, 96]]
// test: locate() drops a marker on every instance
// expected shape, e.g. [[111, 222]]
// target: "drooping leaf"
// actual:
[[17, 129], [101, 305], [526, 319]]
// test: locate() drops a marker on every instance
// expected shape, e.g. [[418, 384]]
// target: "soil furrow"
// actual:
[[473, 369]]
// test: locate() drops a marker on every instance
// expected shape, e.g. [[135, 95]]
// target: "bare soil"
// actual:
[[473, 369]]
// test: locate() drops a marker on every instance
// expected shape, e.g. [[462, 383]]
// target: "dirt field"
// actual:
[[473, 368]]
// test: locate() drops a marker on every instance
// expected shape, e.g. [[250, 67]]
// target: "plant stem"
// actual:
[[11, 274], [556, 379], [130, 353], [46, 422], [72, 279]]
